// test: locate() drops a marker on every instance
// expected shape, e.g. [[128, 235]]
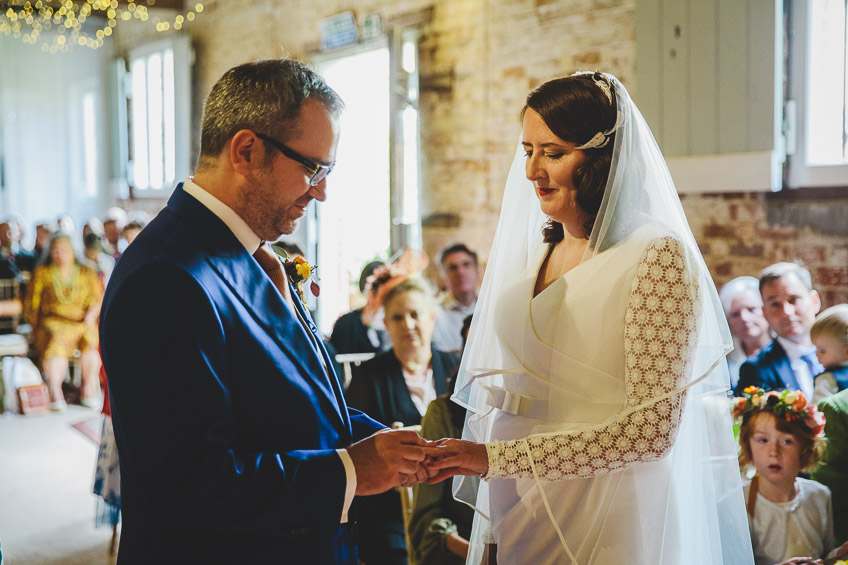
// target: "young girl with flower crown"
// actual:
[[789, 516]]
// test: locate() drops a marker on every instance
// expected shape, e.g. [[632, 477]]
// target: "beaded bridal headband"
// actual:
[[601, 139]]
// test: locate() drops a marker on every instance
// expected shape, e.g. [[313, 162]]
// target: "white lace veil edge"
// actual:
[[639, 191]]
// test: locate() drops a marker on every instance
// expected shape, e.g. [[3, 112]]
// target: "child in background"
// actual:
[[788, 516], [830, 336]]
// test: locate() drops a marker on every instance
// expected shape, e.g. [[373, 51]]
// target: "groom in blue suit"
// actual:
[[235, 442]]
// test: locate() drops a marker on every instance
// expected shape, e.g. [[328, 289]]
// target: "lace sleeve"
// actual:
[[659, 342]]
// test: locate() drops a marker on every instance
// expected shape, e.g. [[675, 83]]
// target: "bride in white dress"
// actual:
[[594, 373]]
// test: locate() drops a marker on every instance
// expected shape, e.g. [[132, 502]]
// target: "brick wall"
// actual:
[[478, 59], [739, 234]]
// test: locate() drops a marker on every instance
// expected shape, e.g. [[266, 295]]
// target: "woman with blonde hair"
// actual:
[[62, 305], [396, 387]]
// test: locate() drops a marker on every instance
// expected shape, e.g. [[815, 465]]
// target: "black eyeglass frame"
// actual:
[[319, 171]]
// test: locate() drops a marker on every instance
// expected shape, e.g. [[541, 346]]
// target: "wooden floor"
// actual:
[[46, 504]]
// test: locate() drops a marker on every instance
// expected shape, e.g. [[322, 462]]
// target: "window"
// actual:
[[158, 117], [817, 127]]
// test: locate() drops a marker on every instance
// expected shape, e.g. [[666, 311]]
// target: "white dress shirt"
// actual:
[[802, 371], [251, 242], [447, 330]]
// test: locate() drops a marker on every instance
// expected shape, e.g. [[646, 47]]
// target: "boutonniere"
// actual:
[[298, 272]]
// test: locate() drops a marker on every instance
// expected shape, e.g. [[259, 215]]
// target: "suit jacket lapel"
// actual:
[[783, 368], [322, 351], [251, 285]]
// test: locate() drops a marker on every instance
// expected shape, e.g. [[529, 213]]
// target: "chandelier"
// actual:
[[59, 25]]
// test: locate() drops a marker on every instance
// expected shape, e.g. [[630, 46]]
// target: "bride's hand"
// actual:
[[451, 457]]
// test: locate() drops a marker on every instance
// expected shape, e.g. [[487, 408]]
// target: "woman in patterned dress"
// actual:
[[62, 305], [594, 373]]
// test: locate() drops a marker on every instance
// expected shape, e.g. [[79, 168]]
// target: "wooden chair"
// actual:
[[348, 359], [406, 494], [10, 292]]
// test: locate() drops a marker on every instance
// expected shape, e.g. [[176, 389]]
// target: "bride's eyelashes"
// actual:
[[554, 156]]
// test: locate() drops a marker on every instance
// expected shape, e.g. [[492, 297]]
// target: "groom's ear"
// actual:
[[246, 152]]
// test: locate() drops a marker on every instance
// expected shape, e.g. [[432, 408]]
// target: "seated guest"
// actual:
[[131, 230], [441, 525], [830, 336], [833, 471], [743, 307], [22, 261], [96, 254], [458, 266], [92, 225], [394, 387], [62, 305], [43, 232], [65, 224], [790, 306], [351, 334], [113, 226]]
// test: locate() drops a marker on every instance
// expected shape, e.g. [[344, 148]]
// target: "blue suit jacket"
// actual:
[[225, 420], [769, 369]]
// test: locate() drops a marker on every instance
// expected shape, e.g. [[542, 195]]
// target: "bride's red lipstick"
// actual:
[[544, 191]]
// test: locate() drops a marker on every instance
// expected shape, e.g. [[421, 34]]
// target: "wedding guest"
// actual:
[[92, 225], [790, 305], [780, 436], [62, 305], [43, 232], [65, 224], [829, 334], [743, 307], [350, 332], [596, 319], [96, 254], [131, 231], [440, 526], [21, 260], [107, 471], [833, 470], [397, 386], [458, 265], [113, 225]]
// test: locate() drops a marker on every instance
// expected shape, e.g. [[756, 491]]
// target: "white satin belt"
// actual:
[[569, 409]]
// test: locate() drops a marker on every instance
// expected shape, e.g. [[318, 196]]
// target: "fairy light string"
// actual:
[[58, 25]]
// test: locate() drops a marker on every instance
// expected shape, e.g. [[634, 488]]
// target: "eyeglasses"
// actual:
[[318, 171]]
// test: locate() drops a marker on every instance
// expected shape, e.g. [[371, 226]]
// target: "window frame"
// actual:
[[182, 62], [798, 173]]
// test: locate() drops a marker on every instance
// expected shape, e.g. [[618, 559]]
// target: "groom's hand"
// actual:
[[388, 459], [449, 457]]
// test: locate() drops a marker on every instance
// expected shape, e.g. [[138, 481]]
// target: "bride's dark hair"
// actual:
[[576, 109]]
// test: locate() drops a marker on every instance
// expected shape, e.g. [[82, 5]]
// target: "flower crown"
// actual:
[[791, 405]]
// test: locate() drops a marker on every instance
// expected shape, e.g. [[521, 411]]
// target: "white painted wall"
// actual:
[[41, 137]]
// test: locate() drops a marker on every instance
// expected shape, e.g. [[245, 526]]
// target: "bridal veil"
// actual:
[[705, 514]]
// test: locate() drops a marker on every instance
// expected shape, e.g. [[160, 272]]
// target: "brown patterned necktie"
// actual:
[[271, 264]]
